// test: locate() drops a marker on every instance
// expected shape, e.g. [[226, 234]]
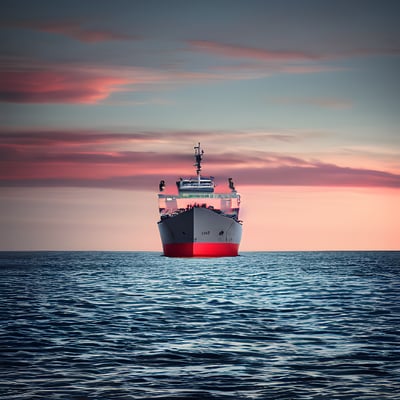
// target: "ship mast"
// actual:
[[198, 154]]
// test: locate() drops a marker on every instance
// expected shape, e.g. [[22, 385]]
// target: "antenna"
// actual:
[[198, 154]]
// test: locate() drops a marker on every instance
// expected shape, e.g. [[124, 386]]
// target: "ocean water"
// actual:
[[136, 325]]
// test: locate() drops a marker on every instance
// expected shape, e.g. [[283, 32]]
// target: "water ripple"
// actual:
[[99, 325]]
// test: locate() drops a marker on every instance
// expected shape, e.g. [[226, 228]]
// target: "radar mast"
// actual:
[[198, 154]]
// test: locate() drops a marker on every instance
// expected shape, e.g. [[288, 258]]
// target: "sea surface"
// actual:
[[137, 325]]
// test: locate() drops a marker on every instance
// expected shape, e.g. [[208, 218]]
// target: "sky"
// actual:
[[297, 101]]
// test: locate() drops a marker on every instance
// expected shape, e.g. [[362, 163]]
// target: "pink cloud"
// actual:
[[24, 86], [254, 53], [250, 52], [30, 81], [92, 160], [72, 29], [317, 174], [56, 138], [322, 176]]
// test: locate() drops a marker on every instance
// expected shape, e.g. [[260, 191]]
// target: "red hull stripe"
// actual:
[[201, 249]]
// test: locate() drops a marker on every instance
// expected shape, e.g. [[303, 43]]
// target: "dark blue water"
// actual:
[[93, 325]]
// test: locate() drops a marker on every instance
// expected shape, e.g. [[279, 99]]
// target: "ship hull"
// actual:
[[200, 232]]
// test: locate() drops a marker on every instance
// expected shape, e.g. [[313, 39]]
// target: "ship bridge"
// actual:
[[195, 185]]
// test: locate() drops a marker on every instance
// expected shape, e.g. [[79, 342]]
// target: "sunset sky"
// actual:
[[298, 101]]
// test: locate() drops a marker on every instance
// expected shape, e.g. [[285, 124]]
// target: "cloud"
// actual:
[[307, 69], [255, 63], [250, 52], [72, 29], [31, 81], [260, 54], [95, 160], [320, 176], [324, 102], [50, 139], [317, 174], [22, 139], [87, 85], [57, 86]]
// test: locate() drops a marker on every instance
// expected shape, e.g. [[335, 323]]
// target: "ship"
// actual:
[[198, 221]]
